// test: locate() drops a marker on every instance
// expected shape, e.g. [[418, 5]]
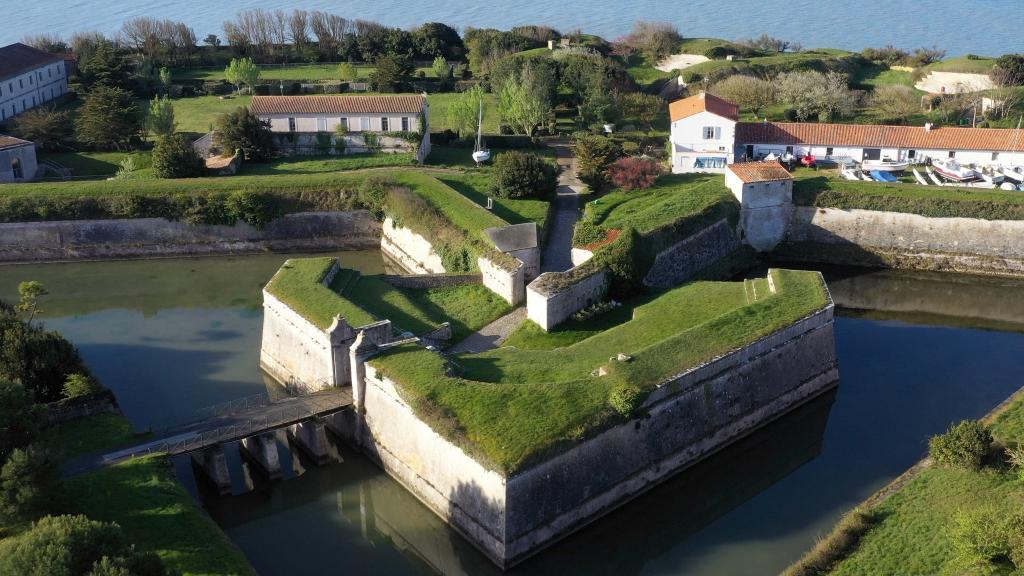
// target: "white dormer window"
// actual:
[[712, 133]]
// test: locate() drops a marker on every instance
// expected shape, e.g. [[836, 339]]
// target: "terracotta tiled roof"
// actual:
[[703, 102], [869, 136], [760, 171], [390, 104], [12, 142], [18, 58]]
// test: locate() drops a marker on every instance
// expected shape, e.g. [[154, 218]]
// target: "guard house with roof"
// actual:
[[17, 160], [310, 124], [703, 133], [765, 193], [29, 78]]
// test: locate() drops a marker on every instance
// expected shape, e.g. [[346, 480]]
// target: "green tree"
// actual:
[[174, 157], [242, 71], [645, 108], [160, 119], [20, 418], [104, 67], [392, 73], [1009, 70], [347, 72], [29, 292], [165, 79], [37, 359], [464, 111], [108, 119], [523, 175], [254, 208], [80, 385], [48, 128], [241, 130], [440, 67], [594, 155], [29, 485], [75, 546], [524, 103]]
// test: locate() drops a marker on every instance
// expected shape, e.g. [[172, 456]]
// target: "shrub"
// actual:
[[40, 359], [594, 155], [981, 537], [622, 260], [254, 208], [626, 400], [80, 385], [634, 173], [47, 127], [72, 546], [29, 485], [523, 175], [587, 232], [242, 130], [174, 157], [1015, 458], [963, 446], [20, 418]]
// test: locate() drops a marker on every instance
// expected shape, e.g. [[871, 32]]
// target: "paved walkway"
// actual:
[[557, 255], [491, 336]]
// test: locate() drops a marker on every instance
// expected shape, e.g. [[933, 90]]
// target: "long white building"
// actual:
[[706, 136], [29, 78]]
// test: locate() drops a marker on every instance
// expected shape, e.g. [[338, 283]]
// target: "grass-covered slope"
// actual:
[[512, 407], [299, 284], [934, 201]]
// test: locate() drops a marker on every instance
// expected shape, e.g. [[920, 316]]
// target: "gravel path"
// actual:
[[491, 336], [557, 255]]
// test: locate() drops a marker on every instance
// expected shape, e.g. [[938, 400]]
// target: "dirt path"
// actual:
[[557, 255]]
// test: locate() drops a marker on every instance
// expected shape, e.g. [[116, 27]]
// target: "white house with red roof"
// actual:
[[706, 136]]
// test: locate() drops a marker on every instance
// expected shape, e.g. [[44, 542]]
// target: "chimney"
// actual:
[[927, 126]]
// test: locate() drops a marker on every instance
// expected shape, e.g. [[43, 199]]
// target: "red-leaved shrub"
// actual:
[[634, 173]]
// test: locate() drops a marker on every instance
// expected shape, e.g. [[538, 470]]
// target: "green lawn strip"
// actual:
[[439, 104], [530, 336], [459, 210], [325, 164], [511, 407], [92, 434], [96, 163], [157, 514], [298, 284], [476, 187], [468, 307], [975, 65], [292, 72], [672, 197], [199, 114], [933, 201]]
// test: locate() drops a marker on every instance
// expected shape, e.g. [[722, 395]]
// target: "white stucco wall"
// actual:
[[982, 157], [509, 284], [294, 351], [765, 210], [688, 142], [329, 123], [549, 309], [409, 249], [32, 88], [26, 156]]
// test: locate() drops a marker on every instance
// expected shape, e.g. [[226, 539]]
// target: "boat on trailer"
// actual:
[[884, 165], [952, 170], [480, 154], [850, 173], [880, 176]]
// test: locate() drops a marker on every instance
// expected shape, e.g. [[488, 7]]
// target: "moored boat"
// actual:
[[952, 170]]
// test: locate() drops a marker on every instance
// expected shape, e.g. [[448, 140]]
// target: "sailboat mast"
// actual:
[[479, 126]]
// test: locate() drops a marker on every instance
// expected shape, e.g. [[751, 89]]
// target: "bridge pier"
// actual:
[[262, 450], [213, 464], [311, 437]]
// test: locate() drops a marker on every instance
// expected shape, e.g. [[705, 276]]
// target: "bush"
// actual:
[[594, 155], [254, 208], [20, 418], [624, 263], [29, 485], [174, 157], [963, 446], [73, 546], [80, 385], [984, 537], [523, 175], [40, 359], [634, 173], [626, 400], [242, 130], [586, 232]]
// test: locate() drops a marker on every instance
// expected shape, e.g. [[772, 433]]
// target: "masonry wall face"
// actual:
[[83, 239], [682, 261], [907, 240], [509, 284], [412, 251], [551, 309]]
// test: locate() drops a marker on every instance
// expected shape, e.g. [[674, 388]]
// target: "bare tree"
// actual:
[[46, 42], [750, 93], [298, 28], [895, 102], [813, 94]]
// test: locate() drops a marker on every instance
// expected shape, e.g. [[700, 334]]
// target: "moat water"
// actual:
[[917, 351], [960, 26]]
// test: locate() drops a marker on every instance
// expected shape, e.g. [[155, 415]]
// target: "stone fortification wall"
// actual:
[[82, 407], [685, 259], [688, 418], [431, 280], [83, 239], [893, 239], [548, 303], [412, 251], [509, 284]]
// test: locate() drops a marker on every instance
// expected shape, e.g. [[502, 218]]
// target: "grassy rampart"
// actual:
[[512, 407]]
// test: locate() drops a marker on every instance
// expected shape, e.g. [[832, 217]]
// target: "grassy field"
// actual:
[[98, 163], [200, 113], [871, 77], [978, 65], [512, 407], [293, 72], [325, 164], [145, 499], [468, 307], [814, 189], [912, 536], [439, 111], [672, 196]]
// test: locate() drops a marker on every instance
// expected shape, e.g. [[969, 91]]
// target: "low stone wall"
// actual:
[[898, 240], [82, 407], [509, 284], [550, 307], [684, 260], [410, 250], [687, 418], [84, 239], [422, 281]]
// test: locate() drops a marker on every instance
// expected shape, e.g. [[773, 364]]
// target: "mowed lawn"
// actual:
[[199, 114], [672, 196], [439, 104], [98, 163]]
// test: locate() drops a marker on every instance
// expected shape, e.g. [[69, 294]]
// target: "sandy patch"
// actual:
[[954, 83], [680, 62]]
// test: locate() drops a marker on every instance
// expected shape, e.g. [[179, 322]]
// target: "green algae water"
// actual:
[[917, 351]]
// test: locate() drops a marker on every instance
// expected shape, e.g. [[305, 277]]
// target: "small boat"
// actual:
[[864, 176], [884, 165], [808, 161], [920, 179], [933, 177], [480, 154], [850, 173], [991, 175], [1012, 173], [880, 176], [952, 170]]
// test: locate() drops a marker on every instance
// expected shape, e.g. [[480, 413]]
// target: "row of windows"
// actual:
[[364, 124], [21, 81], [48, 95]]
